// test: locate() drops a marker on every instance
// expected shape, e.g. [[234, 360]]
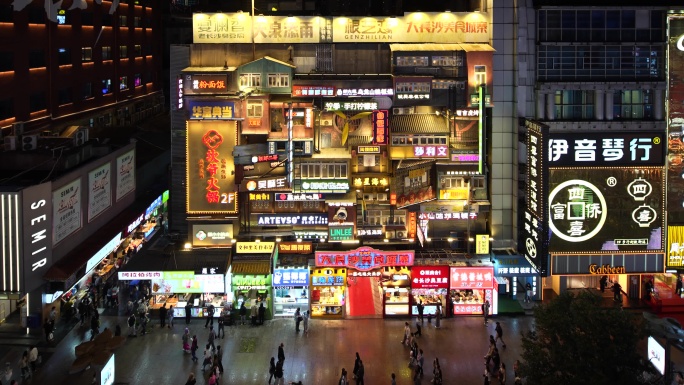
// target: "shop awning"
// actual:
[[419, 124], [251, 267], [468, 47]]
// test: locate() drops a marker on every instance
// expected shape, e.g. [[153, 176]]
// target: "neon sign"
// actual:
[[364, 258]]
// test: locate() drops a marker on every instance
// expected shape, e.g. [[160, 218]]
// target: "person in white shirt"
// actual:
[[33, 357]]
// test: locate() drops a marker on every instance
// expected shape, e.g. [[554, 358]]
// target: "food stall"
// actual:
[[470, 287], [328, 292], [429, 286], [396, 286], [251, 284], [291, 291]]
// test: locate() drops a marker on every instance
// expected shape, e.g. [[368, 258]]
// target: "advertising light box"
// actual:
[[606, 210], [188, 282], [290, 277], [675, 120]]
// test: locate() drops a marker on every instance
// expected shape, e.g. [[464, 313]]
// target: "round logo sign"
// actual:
[[251, 185], [577, 210]]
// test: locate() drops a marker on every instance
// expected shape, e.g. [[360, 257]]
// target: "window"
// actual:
[[633, 104], [136, 21], [574, 105], [477, 182], [37, 102], [368, 160], [250, 80], [123, 82], [6, 13], [87, 90], [260, 205], [86, 18], [86, 54], [413, 87], [481, 74], [442, 84], [123, 21], [36, 15], [106, 86], [106, 53], [6, 109], [6, 61], [412, 61], [137, 49], [324, 170], [385, 217], [107, 19], [63, 56], [137, 80], [64, 96], [278, 80], [255, 109], [123, 51], [446, 182], [447, 61]]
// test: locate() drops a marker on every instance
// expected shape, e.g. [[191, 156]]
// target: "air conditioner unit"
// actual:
[[401, 234], [403, 110], [10, 143], [81, 136], [29, 142], [326, 122], [18, 128], [382, 197]]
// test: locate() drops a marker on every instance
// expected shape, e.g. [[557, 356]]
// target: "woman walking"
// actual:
[[186, 341], [191, 380], [194, 348], [438, 316], [271, 370]]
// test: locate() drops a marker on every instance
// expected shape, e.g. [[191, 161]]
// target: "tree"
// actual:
[[577, 341]]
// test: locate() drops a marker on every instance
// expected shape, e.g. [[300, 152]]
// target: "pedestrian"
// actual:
[[486, 375], [305, 320], [188, 313], [419, 330], [47, 328], [413, 358], [528, 292], [419, 362], [617, 292], [262, 313], [436, 372], [218, 359], [281, 352], [221, 326], [417, 379], [360, 374], [648, 290], [254, 314], [243, 312], [212, 378], [271, 370], [438, 317], [53, 316], [394, 379], [117, 331], [357, 364], [194, 348], [191, 379], [603, 282], [82, 310], [163, 311], [143, 323], [279, 373], [115, 296], [94, 326], [170, 316], [33, 358], [7, 373], [212, 337], [502, 374], [516, 369], [186, 340], [131, 326], [420, 310], [499, 334], [407, 334], [298, 319], [490, 350], [343, 378], [496, 359], [485, 311], [207, 357], [24, 365], [108, 301], [210, 316]]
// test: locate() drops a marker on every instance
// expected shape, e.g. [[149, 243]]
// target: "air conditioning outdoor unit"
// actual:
[[29, 142], [10, 143], [81, 137], [18, 129], [403, 110], [401, 234]]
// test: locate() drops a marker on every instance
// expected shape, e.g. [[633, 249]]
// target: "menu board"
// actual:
[[198, 283]]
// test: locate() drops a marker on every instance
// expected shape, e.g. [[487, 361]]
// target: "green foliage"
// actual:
[[577, 341]]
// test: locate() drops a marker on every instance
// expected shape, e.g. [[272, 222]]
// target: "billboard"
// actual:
[[606, 210], [534, 224], [364, 258], [99, 190], [341, 223], [214, 234], [675, 246], [125, 174], [210, 177], [610, 149], [675, 119], [66, 211]]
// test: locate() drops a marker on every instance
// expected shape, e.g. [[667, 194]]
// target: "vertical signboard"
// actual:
[[535, 233], [380, 128], [66, 211], [125, 174], [36, 234], [99, 190], [675, 119], [10, 246]]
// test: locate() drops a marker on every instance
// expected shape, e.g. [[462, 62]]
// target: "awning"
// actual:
[[467, 47], [419, 124], [359, 140], [209, 70], [251, 267]]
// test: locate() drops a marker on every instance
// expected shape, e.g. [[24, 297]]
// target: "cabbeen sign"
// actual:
[[626, 149]]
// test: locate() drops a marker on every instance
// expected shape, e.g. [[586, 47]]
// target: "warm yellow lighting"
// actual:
[[299, 240], [450, 239], [257, 240], [386, 240], [233, 240], [187, 246], [278, 239], [428, 239]]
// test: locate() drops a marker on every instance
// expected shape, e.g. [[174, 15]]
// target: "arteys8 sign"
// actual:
[[594, 210]]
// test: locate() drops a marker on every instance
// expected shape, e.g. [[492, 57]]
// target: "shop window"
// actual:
[[412, 61], [106, 53], [63, 56], [278, 80], [447, 61], [86, 54], [6, 61], [64, 96], [6, 109], [123, 82], [106, 86], [36, 59], [37, 102], [481, 74], [255, 109], [404, 87], [442, 84], [259, 206], [137, 80]]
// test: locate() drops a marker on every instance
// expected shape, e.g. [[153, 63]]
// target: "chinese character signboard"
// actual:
[[675, 119], [295, 248], [221, 28], [283, 197], [350, 106], [211, 109], [364, 258], [368, 149], [66, 211], [430, 277], [206, 84], [210, 170], [308, 91], [136, 275], [266, 183], [419, 27], [254, 247], [380, 128], [325, 185], [606, 149], [436, 151], [290, 277], [534, 222], [675, 246], [292, 219], [605, 210], [482, 244], [472, 278], [414, 186], [125, 174]]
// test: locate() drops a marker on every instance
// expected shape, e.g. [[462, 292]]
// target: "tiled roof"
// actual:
[[418, 124], [252, 267]]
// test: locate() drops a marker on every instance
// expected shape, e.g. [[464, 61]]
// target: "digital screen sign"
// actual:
[[210, 178], [534, 220], [611, 149], [605, 210], [675, 120]]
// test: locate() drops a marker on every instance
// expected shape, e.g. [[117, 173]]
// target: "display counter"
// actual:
[[288, 300], [396, 301], [327, 301], [430, 298]]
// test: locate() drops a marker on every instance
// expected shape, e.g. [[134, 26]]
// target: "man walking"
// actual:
[[407, 333], [360, 373], [485, 311], [281, 353], [420, 310], [212, 337], [163, 312], [210, 316], [188, 311], [499, 334]]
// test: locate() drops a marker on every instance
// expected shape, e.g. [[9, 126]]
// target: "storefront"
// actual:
[[328, 296], [396, 286], [145, 225], [364, 267], [291, 278], [470, 287], [512, 273], [429, 286], [251, 284]]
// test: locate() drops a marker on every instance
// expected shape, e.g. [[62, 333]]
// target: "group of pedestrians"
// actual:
[[497, 370], [28, 362], [275, 369]]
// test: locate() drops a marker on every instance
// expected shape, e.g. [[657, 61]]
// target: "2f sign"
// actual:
[[39, 234]]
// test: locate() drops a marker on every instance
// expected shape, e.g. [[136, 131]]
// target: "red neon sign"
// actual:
[[380, 127]]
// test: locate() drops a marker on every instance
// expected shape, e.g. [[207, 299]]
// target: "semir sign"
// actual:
[[37, 222]]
